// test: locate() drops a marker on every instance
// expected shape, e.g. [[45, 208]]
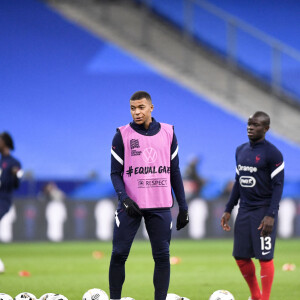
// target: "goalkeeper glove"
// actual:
[[182, 219], [131, 208]]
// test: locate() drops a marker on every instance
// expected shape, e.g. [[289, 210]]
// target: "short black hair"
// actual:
[[8, 141], [140, 95], [264, 116]]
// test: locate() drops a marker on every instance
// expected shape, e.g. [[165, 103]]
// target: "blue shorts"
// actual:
[[4, 207], [247, 239]]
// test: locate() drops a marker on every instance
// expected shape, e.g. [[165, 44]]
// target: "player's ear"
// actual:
[[267, 127], [152, 107]]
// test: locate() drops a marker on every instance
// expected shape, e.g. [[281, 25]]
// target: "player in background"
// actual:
[[144, 169], [258, 184], [10, 172]]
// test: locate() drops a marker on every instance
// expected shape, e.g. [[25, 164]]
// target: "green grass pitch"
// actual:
[[69, 268]]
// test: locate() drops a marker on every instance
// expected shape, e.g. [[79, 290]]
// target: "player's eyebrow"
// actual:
[[140, 106]]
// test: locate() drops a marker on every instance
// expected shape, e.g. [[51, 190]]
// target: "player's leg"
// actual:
[[264, 251], [125, 229], [4, 208], [243, 251], [159, 227]]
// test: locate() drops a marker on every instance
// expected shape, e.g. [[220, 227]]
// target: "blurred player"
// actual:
[[144, 167], [258, 184], [10, 171]]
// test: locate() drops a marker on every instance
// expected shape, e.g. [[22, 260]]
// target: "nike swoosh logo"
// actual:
[[265, 253], [126, 206], [277, 165]]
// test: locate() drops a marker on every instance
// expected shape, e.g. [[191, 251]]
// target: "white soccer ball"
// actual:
[[46, 296], [95, 294], [173, 297], [57, 297], [221, 295], [25, 295], [5, 297]]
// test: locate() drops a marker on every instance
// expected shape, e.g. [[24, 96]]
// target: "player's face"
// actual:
[[256, 129], [141, 111]]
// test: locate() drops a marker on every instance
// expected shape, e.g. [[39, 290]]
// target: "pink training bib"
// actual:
[[147, 166]]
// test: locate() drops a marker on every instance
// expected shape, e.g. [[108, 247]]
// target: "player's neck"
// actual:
[[253, 142], [147, 123], [5, 152]]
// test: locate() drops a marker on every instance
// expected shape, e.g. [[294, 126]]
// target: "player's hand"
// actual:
[[15, 170], [131, 208], [182, 219], [266, 226], [224, 221]]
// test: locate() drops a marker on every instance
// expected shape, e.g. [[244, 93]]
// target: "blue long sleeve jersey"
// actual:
[[117, 167], [8, 180], [259, 177]]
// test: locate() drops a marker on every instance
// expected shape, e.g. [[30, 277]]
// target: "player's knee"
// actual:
[[162, 260], [3, 211], [118, 257]]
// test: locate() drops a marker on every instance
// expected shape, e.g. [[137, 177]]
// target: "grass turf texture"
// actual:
[[70, 269]]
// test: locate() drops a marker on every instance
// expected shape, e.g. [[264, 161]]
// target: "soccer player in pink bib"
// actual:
[[144, 169]]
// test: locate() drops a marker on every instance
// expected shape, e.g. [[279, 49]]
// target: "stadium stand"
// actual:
[[66, 90], [259, 32]]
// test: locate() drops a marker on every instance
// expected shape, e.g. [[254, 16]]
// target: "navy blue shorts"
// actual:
[[247, 239], [4, 207], [159, 227]]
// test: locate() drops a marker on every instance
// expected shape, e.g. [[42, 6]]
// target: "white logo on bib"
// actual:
[[149, 155]]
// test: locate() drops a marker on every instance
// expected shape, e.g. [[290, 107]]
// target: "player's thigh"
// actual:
[[125, 229], [242, 246], [4, 208], [263, 246], [159, 228]]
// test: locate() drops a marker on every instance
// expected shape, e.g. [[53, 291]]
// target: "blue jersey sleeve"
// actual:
[[276, 167], [16, 176], [176, 179], [117, 166]]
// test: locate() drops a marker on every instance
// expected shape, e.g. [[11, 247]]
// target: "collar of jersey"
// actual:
[[153, 129], [253, 145]]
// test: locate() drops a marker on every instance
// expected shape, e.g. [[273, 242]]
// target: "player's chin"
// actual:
[[139, 121]]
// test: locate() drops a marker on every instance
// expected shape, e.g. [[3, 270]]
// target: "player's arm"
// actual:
[[177, 185], [117, 166], [232, 202], [17, 173], [276, 167], [116, 175]]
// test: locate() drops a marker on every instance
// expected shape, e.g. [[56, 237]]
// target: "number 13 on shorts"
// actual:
[[265, 244]]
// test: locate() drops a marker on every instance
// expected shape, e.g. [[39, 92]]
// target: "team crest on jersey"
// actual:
[[247, 181], [257, 158]]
